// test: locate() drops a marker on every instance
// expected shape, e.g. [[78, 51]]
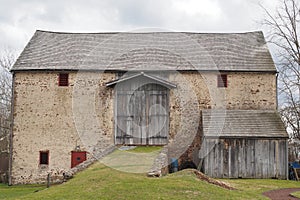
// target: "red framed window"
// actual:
[[44, 157], [222, 80], [63, 79]]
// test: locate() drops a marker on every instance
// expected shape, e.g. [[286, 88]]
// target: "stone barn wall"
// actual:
[[51, 118]]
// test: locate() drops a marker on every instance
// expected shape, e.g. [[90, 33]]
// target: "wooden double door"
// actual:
[[142, 114]]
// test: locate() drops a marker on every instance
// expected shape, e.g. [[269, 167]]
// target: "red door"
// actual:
[[77, 158]]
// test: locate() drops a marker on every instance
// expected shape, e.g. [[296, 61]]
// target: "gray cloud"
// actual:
[[19, 19], [137, 13]]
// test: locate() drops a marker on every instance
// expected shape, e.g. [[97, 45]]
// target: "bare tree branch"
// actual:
[[7, 60], [283, 28]]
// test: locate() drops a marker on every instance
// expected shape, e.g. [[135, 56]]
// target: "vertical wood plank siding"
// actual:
[[246, 158], [142, 113]]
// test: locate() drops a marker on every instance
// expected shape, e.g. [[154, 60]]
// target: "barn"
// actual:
[[208, 98]]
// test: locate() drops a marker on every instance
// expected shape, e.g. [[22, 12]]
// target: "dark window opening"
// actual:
[[188, 165], [222, 80], [63, 79], [120, 74], [44, 157]]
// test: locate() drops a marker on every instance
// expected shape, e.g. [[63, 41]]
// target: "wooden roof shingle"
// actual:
[[146, 51], [243, 123]]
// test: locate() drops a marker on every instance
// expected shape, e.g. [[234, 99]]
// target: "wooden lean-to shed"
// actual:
[[244, 144]]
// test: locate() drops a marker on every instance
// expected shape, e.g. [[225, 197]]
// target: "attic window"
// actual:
[[63, 79], [44, 157], [222, 80]]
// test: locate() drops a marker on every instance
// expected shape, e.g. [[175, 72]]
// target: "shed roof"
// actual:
[[243, 123], [150, 51]]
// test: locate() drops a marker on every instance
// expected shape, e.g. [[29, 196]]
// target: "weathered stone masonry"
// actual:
[[44, 120]]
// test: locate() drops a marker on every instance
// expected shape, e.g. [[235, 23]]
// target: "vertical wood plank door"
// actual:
[[77, 157], [142, 114]]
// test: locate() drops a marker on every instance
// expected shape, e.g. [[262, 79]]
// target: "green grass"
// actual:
[[137, 160], [18, 191], [101, 182], [296, 194], [145, 149], [258, 186]]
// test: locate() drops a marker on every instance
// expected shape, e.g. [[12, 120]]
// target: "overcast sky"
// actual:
[[20, 18]]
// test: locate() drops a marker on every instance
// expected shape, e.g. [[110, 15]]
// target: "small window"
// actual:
[[222, 80], [44, 157], [63, 79]]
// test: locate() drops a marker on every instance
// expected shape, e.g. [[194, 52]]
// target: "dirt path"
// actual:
[[282, 194]]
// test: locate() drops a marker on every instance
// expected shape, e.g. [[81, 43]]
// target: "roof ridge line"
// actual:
[[150, 32]]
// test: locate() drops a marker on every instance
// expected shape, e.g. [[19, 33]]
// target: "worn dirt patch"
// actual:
[[203, 177], [281, 194]]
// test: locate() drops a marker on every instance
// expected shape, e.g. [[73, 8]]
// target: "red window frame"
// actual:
[[44, 161], [63, 79], [222, 80]]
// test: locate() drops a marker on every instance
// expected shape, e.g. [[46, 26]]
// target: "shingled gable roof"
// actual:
[[141, 74], [146, 52], [243, 124]]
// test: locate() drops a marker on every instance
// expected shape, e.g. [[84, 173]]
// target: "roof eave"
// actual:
[[116, 70], [246, 137]]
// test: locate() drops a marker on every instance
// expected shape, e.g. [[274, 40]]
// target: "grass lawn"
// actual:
[[15, 192], [137, 160], [296, 194], [145, 149], [101, 182]]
